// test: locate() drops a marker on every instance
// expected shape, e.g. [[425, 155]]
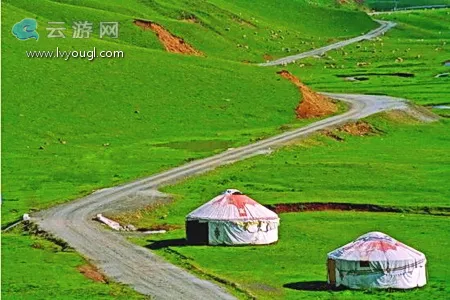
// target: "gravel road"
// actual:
[[127, 263], [130, 264], [385, 26]]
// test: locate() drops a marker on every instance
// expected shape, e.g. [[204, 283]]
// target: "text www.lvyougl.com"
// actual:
[[68, 54]]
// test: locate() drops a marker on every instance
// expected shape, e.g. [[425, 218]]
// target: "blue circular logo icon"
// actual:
[[25, 29]]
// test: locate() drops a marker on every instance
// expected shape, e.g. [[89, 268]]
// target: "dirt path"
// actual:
[[127, 263], [385, 26], [149, 274]]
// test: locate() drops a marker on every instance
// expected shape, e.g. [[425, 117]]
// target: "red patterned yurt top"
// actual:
[[376, 246], [232, 205]]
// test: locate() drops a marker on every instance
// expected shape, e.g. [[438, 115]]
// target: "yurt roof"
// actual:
[[232, 205], [376, 246]]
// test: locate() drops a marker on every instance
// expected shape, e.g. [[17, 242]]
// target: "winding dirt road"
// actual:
[[130, 264], [385, 26], [127, 263]]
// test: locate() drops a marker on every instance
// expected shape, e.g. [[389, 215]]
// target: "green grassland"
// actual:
[[107, 119], [418, 46], [286, 269], [238, 31], [403, 164], [34, 268], [70, 127]]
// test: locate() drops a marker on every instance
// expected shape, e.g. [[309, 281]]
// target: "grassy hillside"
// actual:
[[313, 170], [112, 115], [108, 119], [69, 127], [403, 63], [239, 30], [403, 163]]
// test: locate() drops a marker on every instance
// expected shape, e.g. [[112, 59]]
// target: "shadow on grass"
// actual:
[[323, 286], [156, 245], [314, 286]]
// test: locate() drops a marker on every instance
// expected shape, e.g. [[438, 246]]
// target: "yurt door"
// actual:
[[197, 232], [331, 266]]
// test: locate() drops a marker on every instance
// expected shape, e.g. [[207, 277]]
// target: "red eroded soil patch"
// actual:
[[313, 104], [358, 128], [91, 272], [335, 206], [171, 42]]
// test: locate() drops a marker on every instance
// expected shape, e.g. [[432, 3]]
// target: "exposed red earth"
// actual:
[[313, 105], [170, 42]]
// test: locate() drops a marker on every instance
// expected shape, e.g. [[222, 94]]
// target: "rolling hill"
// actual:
[[70, 127]]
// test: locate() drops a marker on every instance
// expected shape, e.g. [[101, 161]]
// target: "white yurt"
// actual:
[[376, 260], [232, 219]]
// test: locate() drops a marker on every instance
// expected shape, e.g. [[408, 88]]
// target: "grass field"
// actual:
[[416, 48], [238, 31], [107, 119], [296, 264], [34, 268], [404, 164], [69, 127]]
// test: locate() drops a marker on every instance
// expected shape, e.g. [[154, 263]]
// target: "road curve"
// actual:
[[130, 264], [384, 27], [147, 273]]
